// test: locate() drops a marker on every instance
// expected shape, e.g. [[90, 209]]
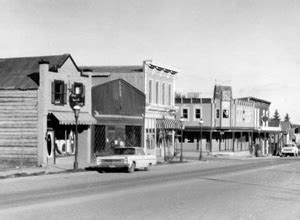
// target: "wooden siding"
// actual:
[[118, 98], [18, 127]]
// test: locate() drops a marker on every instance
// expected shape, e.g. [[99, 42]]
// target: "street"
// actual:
[[212, 189]]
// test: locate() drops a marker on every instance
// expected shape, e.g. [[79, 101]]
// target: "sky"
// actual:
[[251, 45]]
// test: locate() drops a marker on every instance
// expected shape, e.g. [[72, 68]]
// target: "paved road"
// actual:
[[227, 189]]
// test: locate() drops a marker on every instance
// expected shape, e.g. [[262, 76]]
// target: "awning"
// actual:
[[68, 118], [167, 124]]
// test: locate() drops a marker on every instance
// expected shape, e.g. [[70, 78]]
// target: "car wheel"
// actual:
[[131, 168], [147, 168]]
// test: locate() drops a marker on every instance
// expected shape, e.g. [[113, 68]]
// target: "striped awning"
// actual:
[[68, 118], [167, 124]]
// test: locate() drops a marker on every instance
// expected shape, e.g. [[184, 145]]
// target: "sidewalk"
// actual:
[[64, 165]]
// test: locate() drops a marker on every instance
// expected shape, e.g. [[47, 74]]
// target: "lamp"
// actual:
[[181, 146], [200, 123], [76, 110]]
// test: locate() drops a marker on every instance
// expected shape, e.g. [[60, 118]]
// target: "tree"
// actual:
[[276, 115], [286, 117]]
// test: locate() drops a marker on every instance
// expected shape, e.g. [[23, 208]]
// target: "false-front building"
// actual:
[[35, 111]]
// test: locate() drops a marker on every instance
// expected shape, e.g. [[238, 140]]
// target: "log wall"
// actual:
[[18, 128]]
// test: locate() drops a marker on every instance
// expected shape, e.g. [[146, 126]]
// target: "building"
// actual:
[[157, 82], [35, 111], [119, 109], [227, 124]]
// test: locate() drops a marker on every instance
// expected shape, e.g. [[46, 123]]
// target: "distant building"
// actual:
[[227, 124]]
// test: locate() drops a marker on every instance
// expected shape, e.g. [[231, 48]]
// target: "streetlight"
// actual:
[[181, 146], [259, 150], [76, 110], [200, 123]]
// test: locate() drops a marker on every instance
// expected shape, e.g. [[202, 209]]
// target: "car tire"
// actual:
[[131, 169], [147, 168]]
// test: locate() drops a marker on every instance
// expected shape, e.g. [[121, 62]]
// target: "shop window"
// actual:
[[59, 92], [100, 139], [133, 136], [225, 113]]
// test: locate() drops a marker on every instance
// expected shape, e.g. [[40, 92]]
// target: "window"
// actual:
[[163, 94], [197, 113], [225, 113], [156, 90], [217, 113], [59, 92], [169, 94], [185, 113], [150, 91]]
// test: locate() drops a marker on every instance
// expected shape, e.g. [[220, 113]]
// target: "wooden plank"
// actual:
[[18, 150]]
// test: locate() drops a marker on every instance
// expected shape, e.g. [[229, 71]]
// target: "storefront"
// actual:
[[119, 109]]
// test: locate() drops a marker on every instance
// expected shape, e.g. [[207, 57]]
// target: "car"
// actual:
[[290, 149], [130, 158]]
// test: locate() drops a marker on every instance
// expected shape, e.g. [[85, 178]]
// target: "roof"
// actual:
[[250, 98], [113, 69], [23, 72]]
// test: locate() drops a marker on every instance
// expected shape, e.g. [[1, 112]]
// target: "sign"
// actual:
[[76, 100]]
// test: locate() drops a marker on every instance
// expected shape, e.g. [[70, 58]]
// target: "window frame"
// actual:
[[62, 100], [187, 113], [195, 113], [150, 91], [157, 92], [217, 113]]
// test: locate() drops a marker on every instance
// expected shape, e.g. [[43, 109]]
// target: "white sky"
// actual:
[[251, 45]]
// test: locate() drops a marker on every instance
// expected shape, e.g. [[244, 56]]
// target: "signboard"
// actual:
[[76, 100]]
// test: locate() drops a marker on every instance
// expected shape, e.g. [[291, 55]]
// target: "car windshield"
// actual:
[[124, 151], [289, 145]]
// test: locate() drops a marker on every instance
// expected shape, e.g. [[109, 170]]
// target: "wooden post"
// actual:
[[233, 140], [210, 137]]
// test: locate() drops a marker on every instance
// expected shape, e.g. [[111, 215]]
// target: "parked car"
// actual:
[[290, 149], [130, 158]]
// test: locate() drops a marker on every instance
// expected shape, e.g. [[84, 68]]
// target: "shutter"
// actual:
[[73, 88], [83, 94], [52, 93], [65, 94]]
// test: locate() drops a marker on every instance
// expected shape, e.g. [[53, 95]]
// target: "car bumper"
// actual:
[[113, 165]]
